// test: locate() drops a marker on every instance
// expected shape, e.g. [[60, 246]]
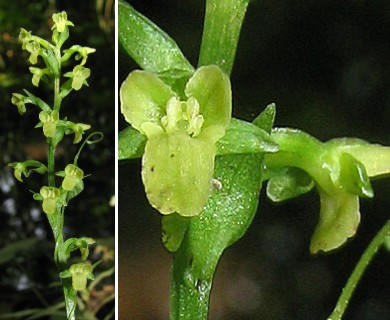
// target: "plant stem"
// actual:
[[357, 273], [51, 152], [57, 221], [194, 266], [51, 165], [191, 283], [57, 98], [222, 26]]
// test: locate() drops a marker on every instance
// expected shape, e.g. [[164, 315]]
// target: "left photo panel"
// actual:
[[57, 159]]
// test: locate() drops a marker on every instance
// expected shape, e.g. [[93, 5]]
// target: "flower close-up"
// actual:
[[49, 120], [61, 21], [78, 130], [79, 272], [180, 150], [50, 197], [79, 76], [73, 175], [340, 169]]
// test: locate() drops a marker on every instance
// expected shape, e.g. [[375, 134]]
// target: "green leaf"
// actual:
[[131, 144], [38, 102], [222, 26], [245, 137], [75, 191], [66, 88], [386, 243], [59, 135], [150, 47]]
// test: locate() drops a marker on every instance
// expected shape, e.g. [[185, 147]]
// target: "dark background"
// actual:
[[28, 277], [326, 66]]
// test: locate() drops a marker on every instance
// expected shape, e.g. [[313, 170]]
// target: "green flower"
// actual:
[[78, 130], [38, 73], [20, 100], [180, 151], [34, 48], [81, 244], [79, 76], [50, 120], [79, 272], [19, 169], [73, 175], [26, 167], [82, 53], [25, 37], [61, 21], [340, 169], [50, 197]]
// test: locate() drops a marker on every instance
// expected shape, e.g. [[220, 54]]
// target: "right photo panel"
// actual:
[[253, 160]]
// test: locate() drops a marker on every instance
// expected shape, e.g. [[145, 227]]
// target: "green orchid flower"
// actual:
[[25, 37], [50, 197], [34, 48], [24, 168], [79, 272], [49, 120], [19, 169], [38, 74], [61, 22], [81, 244], [340, 169], [79, 76], [78, 130], [73, 175], [20, 101], [82, 53], [178, 162]]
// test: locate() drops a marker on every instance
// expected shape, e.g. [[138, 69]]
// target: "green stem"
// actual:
[[51, 165], [222, 26], [57, 98], [57, 220], [360, 268], [191, 283], [51, 153]]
